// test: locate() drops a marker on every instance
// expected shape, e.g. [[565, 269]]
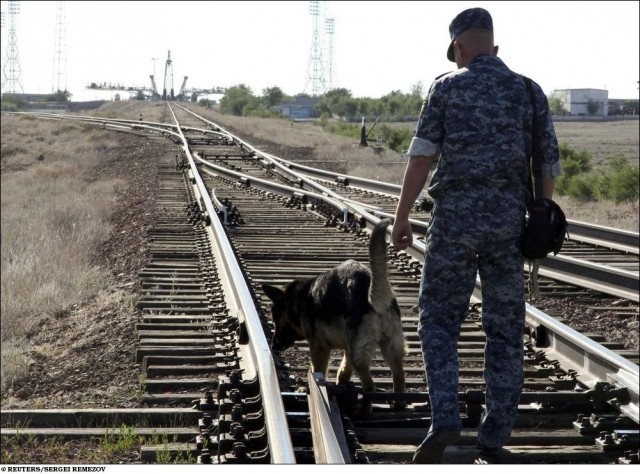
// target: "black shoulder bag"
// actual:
[[546, 224]]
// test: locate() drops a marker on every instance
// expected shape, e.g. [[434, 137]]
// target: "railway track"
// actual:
[[208, 370]]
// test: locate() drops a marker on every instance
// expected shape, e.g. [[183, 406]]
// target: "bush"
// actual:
[[618, 183], [582, 187], [573, 161], [13, 103]]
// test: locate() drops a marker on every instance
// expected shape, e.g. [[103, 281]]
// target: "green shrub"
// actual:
[[573, 161], [620, 183], [583, 187]]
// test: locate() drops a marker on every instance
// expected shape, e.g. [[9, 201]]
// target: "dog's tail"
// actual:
[[381, 293]]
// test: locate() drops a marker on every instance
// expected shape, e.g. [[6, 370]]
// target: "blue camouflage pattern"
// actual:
[[470, 18], [477, 119]]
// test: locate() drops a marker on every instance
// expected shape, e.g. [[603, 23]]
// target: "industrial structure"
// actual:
[[11, 81], [168, 79], [583, 101], [168, 92]]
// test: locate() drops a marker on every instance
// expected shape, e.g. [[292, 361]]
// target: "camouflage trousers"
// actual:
[[474, 235]]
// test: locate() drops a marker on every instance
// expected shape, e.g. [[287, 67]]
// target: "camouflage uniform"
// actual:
[[476, 120]]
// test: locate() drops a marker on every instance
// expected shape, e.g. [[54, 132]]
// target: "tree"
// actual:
[[59, 96], [235, 100], [272, 96], [556, 106], [592, 107], [417, 90]]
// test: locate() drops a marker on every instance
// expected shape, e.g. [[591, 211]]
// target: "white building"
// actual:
[[583, 101]]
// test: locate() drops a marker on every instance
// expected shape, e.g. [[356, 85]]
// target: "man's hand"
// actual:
[[401, 234]]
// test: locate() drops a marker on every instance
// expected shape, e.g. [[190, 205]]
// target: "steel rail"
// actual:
[[597, 277], [266, 185], [617, 239], [353, 181], [239, 299], [329, 442], [592, 361], [580, 272]]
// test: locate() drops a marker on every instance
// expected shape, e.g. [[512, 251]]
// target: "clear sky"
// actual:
[[378, 46]]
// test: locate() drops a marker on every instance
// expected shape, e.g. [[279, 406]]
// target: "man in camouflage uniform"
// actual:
[[475, 122]]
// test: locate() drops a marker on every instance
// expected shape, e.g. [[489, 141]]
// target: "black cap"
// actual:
[[471, 18]]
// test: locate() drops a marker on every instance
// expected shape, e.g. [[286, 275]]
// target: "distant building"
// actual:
[[583, 101], [300, 109], [623, 106]]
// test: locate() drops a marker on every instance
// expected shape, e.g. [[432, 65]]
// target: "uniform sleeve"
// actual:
[[546, 142], [430, 130]]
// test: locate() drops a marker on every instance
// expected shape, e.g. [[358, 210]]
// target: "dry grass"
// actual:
[[131, 110], [602, 139], [53, 216]]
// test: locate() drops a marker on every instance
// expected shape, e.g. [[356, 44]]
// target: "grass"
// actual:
[[54, 214], [118, 446]]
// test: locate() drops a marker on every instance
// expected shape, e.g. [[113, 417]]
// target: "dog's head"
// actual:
[[287, 324]]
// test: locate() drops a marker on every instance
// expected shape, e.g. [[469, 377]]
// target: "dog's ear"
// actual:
[[274, 294]]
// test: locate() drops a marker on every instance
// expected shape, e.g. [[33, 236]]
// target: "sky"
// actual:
[[378, 46]]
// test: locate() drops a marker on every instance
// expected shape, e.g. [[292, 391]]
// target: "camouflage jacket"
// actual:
[[477, 122]]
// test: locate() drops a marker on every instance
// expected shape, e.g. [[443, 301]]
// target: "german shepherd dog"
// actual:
[[348, 307]]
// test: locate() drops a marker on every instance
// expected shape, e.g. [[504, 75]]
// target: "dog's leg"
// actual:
[[319, 358], [393, 351], [346, 369], [361, 357], [361, 361]]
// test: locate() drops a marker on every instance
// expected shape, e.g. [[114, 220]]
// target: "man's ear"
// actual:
[[495, 50], [461, 50]]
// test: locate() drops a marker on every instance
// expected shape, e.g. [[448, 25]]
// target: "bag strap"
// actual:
[[533, 161]]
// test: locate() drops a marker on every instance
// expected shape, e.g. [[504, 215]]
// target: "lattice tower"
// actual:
[[60, 51], [2, 25], [315, 69], [330, 67], [11, 68]]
